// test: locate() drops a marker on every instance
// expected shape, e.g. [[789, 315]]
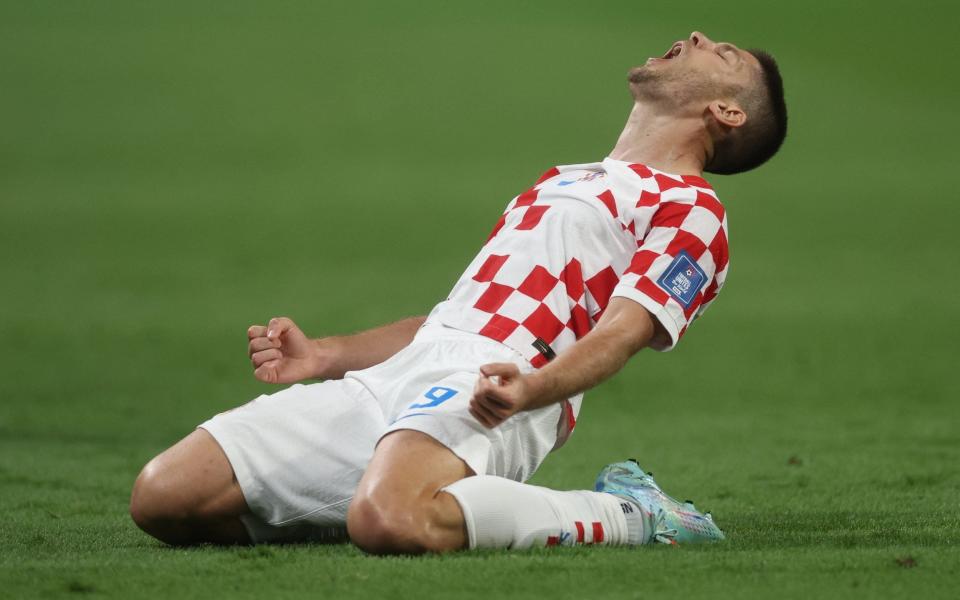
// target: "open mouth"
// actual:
[[674, 51]]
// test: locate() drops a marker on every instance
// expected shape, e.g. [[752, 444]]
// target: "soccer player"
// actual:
[[423, 431]]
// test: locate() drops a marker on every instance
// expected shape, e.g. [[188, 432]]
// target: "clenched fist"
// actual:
[[501, 391], [281, 353]]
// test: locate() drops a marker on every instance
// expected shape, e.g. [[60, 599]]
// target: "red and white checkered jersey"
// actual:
[[585, 233]]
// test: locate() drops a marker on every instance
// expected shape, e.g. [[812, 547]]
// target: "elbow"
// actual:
[[630, 338], [631, 326]]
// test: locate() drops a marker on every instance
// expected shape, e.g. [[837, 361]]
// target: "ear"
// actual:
[[727, 113]]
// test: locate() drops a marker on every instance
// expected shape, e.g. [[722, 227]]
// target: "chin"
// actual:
[[645, 81], [640, 74]]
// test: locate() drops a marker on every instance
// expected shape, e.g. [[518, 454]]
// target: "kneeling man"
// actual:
[[423, 431]]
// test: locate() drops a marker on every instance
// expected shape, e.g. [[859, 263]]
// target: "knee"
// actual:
[[145, 502], [157, 503], [381, 526]]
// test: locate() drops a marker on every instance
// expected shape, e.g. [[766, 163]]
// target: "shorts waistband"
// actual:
[[435, 330]]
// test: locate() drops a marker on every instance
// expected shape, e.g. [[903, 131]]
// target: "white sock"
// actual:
[[501, 513]]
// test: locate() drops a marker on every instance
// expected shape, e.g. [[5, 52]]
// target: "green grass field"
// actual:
[[173, 172]]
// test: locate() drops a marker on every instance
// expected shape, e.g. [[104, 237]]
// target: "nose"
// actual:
[[700, 40]]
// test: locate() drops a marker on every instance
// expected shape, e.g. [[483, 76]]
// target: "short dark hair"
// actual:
[[766, 127]]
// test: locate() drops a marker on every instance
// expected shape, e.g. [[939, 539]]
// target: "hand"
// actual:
[[500, 392], [281, 353]]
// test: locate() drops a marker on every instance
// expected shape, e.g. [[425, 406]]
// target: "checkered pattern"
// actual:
[[687, 218], [526, 305], [579, 236]]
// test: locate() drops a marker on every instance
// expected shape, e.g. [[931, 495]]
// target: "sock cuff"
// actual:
[[633, 517], [455, 489]]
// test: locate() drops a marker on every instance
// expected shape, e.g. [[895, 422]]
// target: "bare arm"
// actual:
[[501, 391], [367, 348], [282, 353]]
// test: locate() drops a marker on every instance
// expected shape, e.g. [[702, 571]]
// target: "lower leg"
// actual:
[[627, 508], [500, 513], [418, 496]]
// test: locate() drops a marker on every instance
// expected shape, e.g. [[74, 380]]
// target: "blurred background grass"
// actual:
[[170, 173]]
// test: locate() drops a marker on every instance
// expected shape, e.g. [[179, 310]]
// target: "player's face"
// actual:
[[695, 69]]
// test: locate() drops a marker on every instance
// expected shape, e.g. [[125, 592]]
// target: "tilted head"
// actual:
[[739, 94]]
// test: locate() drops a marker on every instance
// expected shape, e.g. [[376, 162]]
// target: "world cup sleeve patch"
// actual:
[[683, 279]]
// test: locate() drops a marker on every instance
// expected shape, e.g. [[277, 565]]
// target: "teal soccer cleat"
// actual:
[[665, 520]]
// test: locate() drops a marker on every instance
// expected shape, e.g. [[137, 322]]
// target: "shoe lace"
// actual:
[[662, 533]]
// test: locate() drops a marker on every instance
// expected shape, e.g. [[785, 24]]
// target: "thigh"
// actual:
[[298, 455], [412, 464], [427, 388], [439, 408]]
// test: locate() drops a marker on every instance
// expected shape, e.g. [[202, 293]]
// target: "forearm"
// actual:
[[339, 354], [502, 390], [625, 329]]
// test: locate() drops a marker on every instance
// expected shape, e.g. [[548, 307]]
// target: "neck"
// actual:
[[664, 142]]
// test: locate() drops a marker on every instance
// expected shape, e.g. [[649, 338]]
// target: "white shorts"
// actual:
[[298, 455]]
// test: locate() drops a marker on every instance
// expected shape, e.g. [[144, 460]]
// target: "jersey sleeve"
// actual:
[[680, 264]]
